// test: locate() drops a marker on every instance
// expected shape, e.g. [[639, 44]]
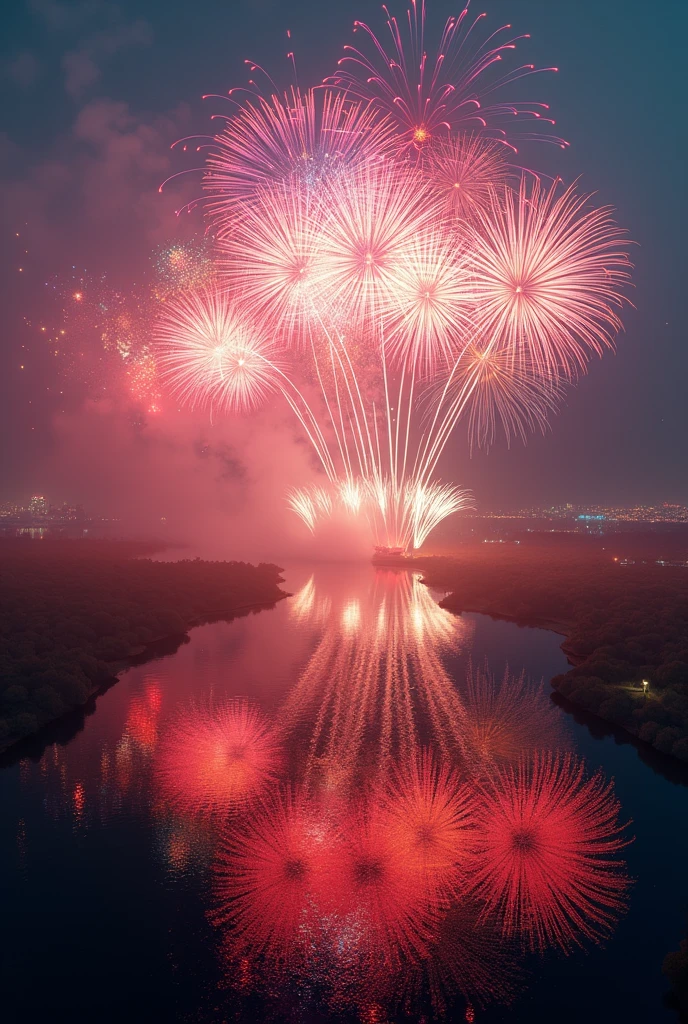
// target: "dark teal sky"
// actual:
[[94, 92]]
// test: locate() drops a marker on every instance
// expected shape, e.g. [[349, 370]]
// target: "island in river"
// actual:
[[74, 611], [622, 604]]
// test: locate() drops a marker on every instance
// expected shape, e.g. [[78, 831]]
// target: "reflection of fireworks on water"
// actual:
[[508, 718], [377, 891], [271, 873], [375, 673], [546, 847], [213, 760], [428, 815], [469, 957]]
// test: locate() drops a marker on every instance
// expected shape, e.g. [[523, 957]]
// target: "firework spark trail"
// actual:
[[425, 99], [546, 853]]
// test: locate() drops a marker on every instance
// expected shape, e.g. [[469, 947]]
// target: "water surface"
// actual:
[[147, 877]]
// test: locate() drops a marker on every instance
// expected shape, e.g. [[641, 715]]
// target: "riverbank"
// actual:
[[71, 619], [622, 624]]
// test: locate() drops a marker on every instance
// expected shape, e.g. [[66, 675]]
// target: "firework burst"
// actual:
[[377, 228], [212, 355], [375, 214], [547, 844], [430, 309], [271, 872], [547, 276], [211, 761], [464, 171], [428, 814], [303, 135], [426, 98]]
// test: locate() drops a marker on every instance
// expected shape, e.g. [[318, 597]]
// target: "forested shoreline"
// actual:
[[625, 621], [72, 612]]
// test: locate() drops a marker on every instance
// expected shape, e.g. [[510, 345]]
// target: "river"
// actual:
[[308, 813]]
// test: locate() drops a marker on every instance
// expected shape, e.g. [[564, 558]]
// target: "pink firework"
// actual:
[[306, 135], [546, 863], [464, 170], [212, 355], [547, 273], [212, 760], [275, 250], [430, 97], [497, 395], [375, 214], [430, 308]]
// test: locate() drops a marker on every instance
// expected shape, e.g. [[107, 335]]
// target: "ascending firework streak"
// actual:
[[372, 234]]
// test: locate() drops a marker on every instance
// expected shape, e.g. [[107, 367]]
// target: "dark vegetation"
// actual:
[[70, 611], [675, 968], [623, 622]]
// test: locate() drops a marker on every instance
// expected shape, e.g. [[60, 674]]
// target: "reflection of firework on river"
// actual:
[[272, 873], [373, 675], [507, 718], [378, 894], [212, 760], [428, 814], [546, 848]]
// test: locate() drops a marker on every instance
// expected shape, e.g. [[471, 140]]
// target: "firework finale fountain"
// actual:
[[384, 264]]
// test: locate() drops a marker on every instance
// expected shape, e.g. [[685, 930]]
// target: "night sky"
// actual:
[[95, 93]]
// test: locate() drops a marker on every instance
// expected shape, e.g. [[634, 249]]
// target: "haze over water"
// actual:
[[122, 847]]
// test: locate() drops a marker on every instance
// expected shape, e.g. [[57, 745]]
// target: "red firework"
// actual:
[[212, 760], [547, 272], [428, 816], [272, 874], [507, 719], [427, 97], [379, 900], [546, 848]]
